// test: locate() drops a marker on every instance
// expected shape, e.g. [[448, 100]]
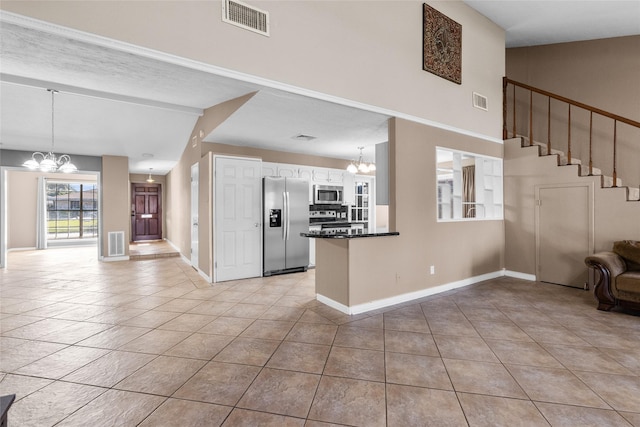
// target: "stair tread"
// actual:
[[633, 193]]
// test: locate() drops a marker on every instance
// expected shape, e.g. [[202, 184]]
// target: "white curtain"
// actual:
[[41, 216]]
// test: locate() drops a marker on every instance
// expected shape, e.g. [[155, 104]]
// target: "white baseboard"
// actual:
[[334, 304], [204, 276], [518, 275], [114, 258], [398, 299], [21, 249], [188, 261]]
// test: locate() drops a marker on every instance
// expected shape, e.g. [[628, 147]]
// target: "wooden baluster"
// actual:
[[504, 108], [549, 126], [569, 137], [591, 143], [514, 111], [615, 172], [530, 118]]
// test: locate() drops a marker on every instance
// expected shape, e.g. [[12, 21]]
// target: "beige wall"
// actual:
[[458, 250], [116, 203], [22, 190], [365, 51], [178, 188], [387, 267], [614, 218], [601, 73]]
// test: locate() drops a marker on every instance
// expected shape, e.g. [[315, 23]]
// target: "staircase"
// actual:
[[633, 193], [546, 112]]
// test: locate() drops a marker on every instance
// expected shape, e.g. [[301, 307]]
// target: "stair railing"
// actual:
[[570, 103]]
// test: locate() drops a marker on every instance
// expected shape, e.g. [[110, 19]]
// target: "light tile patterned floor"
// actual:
[[151, 343]]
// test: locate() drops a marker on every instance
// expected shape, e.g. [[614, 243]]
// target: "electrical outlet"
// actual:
[[432, 269]]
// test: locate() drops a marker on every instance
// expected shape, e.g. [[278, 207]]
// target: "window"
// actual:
[[469, 186], [72, 210]]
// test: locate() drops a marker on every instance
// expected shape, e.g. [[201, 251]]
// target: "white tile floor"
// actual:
[[151, 343]]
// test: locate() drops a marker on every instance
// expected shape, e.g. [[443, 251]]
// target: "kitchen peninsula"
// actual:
[[346, 277]]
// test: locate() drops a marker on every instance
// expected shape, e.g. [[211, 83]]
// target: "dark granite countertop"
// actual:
[[349, 234]]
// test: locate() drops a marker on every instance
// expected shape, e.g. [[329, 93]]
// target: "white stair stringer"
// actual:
[[633, 193]]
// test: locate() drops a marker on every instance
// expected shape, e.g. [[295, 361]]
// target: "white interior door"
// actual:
[[195, 176], [564, 234], [238, 219]]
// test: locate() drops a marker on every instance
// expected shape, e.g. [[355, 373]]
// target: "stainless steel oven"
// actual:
[[328, 195]]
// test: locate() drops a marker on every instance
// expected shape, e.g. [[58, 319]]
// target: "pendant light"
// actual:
[[49, 162], [150, 180]]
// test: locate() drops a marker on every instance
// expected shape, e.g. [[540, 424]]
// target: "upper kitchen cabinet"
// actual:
[[288, 171], [269, 169], [349, 189], [283, 170], [328, 176]]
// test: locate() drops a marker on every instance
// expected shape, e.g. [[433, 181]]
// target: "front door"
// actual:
[[237, 225], [564, 234], [146, 215]]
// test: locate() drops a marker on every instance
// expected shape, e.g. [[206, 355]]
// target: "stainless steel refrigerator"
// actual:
[[286, 215]]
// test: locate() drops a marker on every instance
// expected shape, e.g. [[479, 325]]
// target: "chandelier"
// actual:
[[49, 162], [361, 166]]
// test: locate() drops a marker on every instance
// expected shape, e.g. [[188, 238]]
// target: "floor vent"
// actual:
[[115, 246], [480, 101], [245, 16]]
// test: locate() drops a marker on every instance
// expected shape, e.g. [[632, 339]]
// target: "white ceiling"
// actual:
[[539, 22], [125, 102]]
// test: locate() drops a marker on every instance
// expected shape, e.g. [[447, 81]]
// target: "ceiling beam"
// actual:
[[25, 81]]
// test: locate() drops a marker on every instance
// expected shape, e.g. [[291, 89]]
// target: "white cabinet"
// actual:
[[315, 175], [305, 172], [336, 176], [488, 176], [320, 176], [312, 245], [269, 169], [288, 171], [328, 176], [349, 189]]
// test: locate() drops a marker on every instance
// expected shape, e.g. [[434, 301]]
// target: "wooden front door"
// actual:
[[146, 215]]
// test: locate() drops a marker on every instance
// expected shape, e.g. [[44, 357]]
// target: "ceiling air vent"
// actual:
[[480, 101], [244, 16]]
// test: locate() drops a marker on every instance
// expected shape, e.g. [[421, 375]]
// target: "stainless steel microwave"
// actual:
[[328, 195]]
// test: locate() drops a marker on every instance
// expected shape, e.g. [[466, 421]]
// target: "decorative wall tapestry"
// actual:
[[442, 45]]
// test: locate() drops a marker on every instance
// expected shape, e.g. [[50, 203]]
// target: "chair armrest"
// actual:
[[609, 265], [609, 260]]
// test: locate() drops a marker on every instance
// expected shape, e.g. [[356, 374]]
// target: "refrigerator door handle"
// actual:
[[284, 215], [288, 218]]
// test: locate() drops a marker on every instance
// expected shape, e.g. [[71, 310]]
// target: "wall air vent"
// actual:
[[245, 16], [480, 101], [115, 243]]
